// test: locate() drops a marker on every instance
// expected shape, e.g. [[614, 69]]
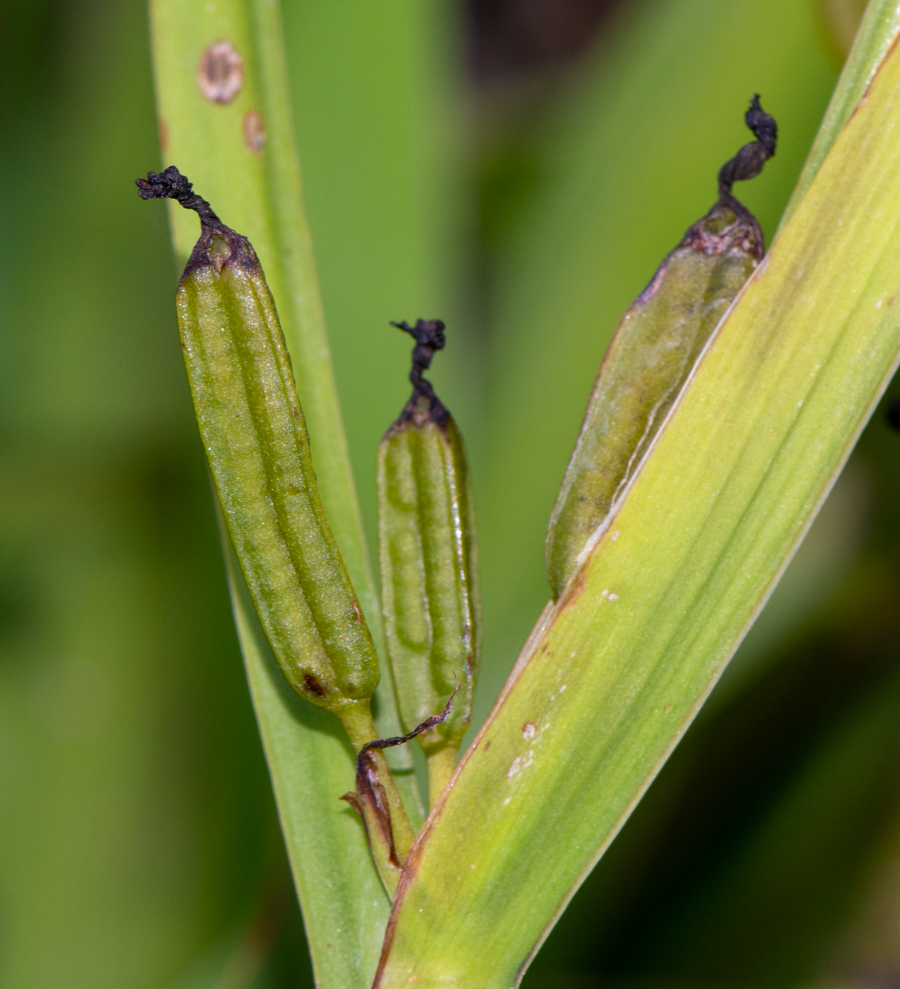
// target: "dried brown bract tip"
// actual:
[[387, 743], [370, 795]]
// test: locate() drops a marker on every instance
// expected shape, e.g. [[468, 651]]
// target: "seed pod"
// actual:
[[426, 527], [653, 351], [258, 449]]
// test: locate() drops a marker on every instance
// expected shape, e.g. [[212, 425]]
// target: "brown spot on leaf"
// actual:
[[254, 131], [529, 729], [487, 745], [220, 72], [313, 685], [164, 137]]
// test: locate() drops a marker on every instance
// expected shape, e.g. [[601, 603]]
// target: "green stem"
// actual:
[[441, 763]]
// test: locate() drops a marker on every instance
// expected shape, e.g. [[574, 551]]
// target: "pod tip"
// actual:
[[729, 223], [171, 184], [429, 337]]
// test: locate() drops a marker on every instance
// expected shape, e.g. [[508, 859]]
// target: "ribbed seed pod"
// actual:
[[428, 554], [653, 351], [258, 450]]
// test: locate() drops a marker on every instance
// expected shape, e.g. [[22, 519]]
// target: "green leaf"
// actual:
[[611, 681]]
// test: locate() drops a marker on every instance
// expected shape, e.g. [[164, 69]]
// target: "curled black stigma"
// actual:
[[749, 161], [171, 184], [429, 337]]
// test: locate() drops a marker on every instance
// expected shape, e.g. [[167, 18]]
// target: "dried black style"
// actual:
[[749, 161], [171, 184], [429, 337], [729, 223]]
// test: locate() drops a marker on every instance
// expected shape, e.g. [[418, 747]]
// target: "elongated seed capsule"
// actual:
[[258, 450], [652, 352], [428, 555]]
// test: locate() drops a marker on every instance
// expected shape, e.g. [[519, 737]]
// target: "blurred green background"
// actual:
[[518, 167]]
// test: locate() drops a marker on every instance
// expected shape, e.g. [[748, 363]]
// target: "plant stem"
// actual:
[[441, 764]]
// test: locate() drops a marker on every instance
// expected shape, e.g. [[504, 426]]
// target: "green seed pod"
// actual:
[[258, 449], [428, 554], [653, 352]]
